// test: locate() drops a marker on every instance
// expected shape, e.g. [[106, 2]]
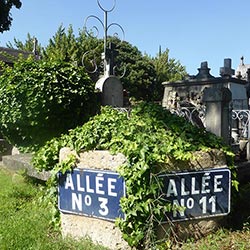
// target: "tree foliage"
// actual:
[[139, 79], [5, 15], [62, 46], [143, 76], [28, 45], [167, 69], [40, 100]]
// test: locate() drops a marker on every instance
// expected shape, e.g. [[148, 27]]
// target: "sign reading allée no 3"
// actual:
[[95, 193]]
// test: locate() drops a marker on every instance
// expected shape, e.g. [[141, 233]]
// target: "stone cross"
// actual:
[[227, 69], [204, 72]]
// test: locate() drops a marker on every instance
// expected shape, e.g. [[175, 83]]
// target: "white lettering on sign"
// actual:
[[87, 200], [191, 188], [83, 184], [99, 184], [92, 193], [172, 190], [178, 207], [79, 188], [203, 202], [88, 188], [111, 187], [76, 201], [217, 183], [205, 183], [183, 185], [69, 182], [104, 209]]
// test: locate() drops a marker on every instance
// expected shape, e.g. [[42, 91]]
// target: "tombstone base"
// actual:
[[102, 232], [184, 230]]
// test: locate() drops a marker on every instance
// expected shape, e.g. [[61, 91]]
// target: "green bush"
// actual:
[[40, 100], [150, 137]]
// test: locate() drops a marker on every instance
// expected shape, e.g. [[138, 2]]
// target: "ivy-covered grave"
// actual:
[[154, 142]]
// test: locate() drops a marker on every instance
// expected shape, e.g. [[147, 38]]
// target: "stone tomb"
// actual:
[[212, 96], [191, 90]]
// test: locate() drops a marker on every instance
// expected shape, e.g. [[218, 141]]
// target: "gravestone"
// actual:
[[217, 111], [239, 93], [112, 91], [192, 89]]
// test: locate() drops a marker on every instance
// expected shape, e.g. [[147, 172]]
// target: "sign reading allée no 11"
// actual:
[[198, 194], [94, 193]]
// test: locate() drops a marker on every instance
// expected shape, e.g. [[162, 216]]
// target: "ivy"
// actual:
[[151, 138], [40, 100]]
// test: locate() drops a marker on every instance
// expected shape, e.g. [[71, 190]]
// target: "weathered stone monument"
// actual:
[[218, 114], [218, 95], [112, 91], [109, 85]]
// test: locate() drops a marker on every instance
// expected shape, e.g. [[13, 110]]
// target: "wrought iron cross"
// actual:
[[109, 53]]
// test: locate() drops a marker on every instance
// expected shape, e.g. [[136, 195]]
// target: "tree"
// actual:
[[5, 15], [28, 45], [140, 73], [62, 47], [143, 76], [139, 78], [167, 69]]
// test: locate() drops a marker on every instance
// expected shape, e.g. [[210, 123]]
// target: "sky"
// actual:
[[194, 31]]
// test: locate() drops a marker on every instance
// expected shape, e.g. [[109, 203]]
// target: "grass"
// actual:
[[24, 222], [221, 240], [24, 218]]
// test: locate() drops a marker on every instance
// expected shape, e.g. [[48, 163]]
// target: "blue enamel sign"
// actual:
[[198, 194], [94, 193]]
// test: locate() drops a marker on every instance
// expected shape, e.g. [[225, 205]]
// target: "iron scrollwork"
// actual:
[[242, 122], [89, 59], [194, 114]]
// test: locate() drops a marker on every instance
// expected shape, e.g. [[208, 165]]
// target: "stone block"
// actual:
[[100, 231]]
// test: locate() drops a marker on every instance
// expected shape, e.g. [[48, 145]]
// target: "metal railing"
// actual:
[[239, 129], [240, 124], [194, 114]]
